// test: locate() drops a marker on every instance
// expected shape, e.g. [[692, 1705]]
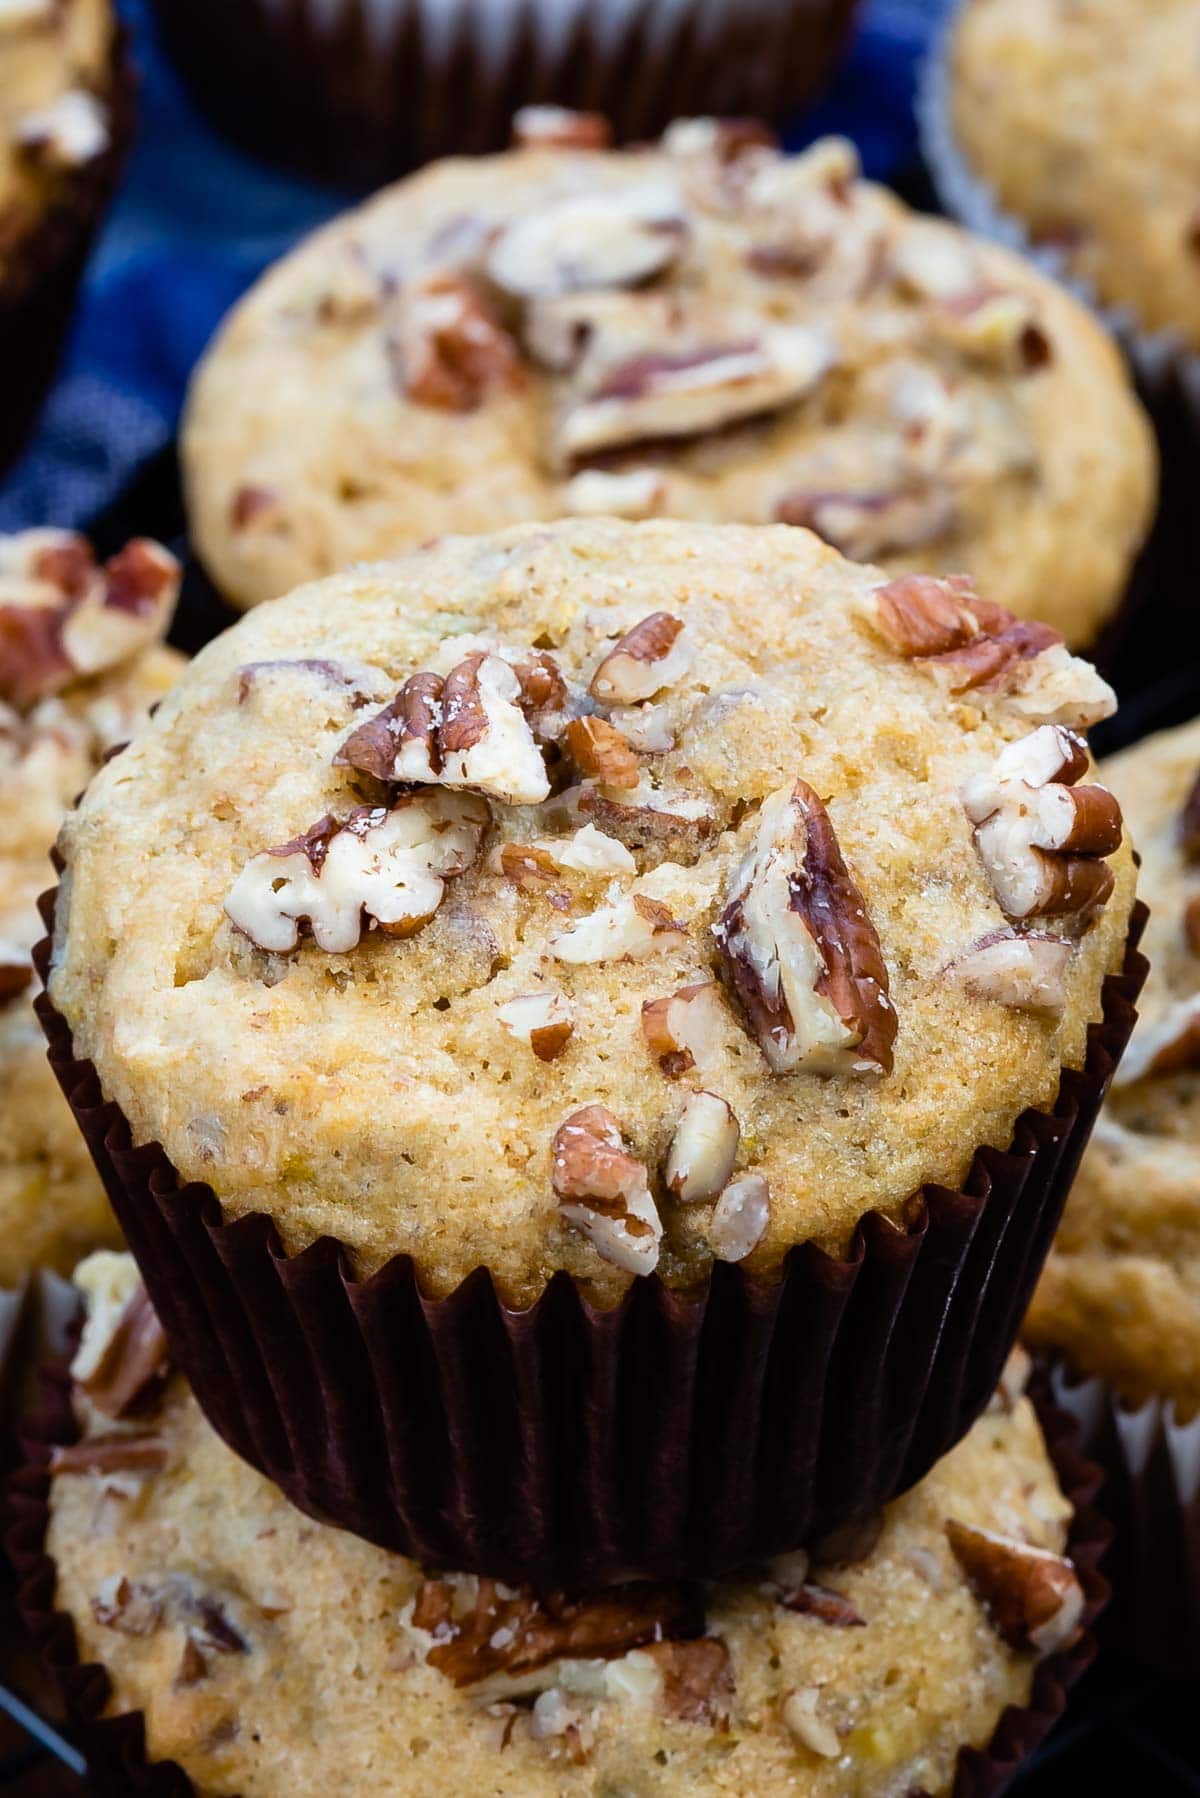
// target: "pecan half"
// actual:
[[134, 1363], [703, 1149], [544, 1020], [452, 350], [1041, 837], [684, 1027], [615, 238], [602, 1190], [654, 654], [1026, 972], [697, 1678], [389, 866], [739, 1218], [598, 750], [1033, 1597], [558, 128], [799, 949], [1164, 1046]]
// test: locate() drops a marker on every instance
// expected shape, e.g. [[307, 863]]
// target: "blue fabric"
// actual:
[[195, 222]]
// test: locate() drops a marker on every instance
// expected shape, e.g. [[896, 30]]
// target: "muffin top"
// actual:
[[596, 896], [702, 329], [267, 1650], [81, 663], [55, 76], [1121, 1292], [1084, 117]]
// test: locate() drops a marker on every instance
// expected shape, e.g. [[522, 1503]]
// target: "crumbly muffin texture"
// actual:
[[80, 665], [55, 73], [701, 329], [1121, 1291], [270, 1652], [596, 896], [1084, 117]]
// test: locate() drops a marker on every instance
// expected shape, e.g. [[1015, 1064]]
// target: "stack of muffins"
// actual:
[[588, 1027]]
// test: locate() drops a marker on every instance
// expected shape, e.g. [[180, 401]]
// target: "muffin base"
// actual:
[[37, 299], [1151, 1466], [342, 93], [115, 1747]]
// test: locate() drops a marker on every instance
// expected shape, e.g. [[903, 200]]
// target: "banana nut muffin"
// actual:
[[81, 662], [596, 896], [702, 329], [268, 1651], [1083, 116], [1121, 1291]]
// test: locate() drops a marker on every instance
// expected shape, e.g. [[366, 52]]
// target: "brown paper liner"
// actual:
[[679, 1434], [1151, 1464], [37, 296], [115, 1746], [357, 92], [1144, 640]]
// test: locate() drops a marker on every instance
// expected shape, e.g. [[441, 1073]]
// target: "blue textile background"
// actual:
[[195, 222]]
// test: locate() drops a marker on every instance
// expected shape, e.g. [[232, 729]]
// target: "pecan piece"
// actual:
[[544, 1020], [599, 750], [134, 1363], [558, 128], [703, 1149], [1041, 837], [130, 1606], [615, 493], [1025, 972], [1033, 1597], [248, 503], [400, 742], [628, 929], [618, 238], [800, 1716], [697, 1679], [684, 1027], [602, 1190], [654, 654], [111, 1454], [739, 1218], [872, 524], [452, 350], [821, 1602], [799, 948], [1164, 1046]]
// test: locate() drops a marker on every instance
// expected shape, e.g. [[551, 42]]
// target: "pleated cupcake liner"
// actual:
[[679, 1434], [1151, 1463], [115, 1745], [356, 91], [41, 283], [1143, 639]]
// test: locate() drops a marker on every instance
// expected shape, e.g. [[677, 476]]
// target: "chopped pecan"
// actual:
[[585, 851], [192, 1668], [867, 525], [655, 822], [821, 1602], [619, 237], [1189, 822], [800, 1716], [602, 1190], [514, 1633], [703, 1149], [697, 1678], [934, 261], [130, 1606], [684, 1027], [452, 349], [208, 1623], [1025, 972], [1041, 837], [558, 128], [628, 929], [400, 742], [1163, 1046], [544, 1020], [544, 695], [134, 1363], [1033, 1597], [530, 866], [598, 749], [354, 682], [799, 948], [248, 503], [385, 865], [615, 493], [654, 654], [725, 138], [740, 1218], [995, 327], [111, 1454]]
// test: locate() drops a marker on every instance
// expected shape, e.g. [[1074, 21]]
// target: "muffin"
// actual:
[[360, 90], [1120, 1296], [261, 1649], [1084, 120], [81, 663], [66, 101], [553, 985], [704, 330]]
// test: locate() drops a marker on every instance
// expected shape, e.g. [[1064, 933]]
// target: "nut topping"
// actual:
[[388, 866], [812, 1600], [627, 929], [130, 1606], [452, 350], [740, 1218], [125, 1453], [1024, 972], [1033, 1598], [602, 1190], [800, 1718], [799, 949], [133, 1363], [684, 1028], [558, 128], [871, 524], [697, 1678], [599, 751], [703, 1148], [1042, 838], [615, 493], [544, 1020], [1163, 1046], [655, 654], [617, 238]]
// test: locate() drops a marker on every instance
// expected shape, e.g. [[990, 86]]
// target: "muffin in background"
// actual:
[[232, 1623], [81, 664], [704, 329], [358, 91], [66, 114]]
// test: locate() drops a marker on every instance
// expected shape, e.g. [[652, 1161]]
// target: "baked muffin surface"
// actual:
[[700, 330], [379, 1081]]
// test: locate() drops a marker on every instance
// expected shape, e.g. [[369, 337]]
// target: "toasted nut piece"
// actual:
[[602, 1190], [387, 865], [727, 138], [800, 950], [126, 1453], [400, 742], [452, 349], [1170, 1042], [799, 1717], [1033, 1598], [740, 1218], [591, 240], [558, 128], [588, 851], [997, 328], [628, 929], [703, 1148], [811, 1600], [1024, 972], [1189, 822], [598, 749], [530, 866], [615, 493], [1014, 1378], [871, 524], [545, 1021], [130, 1606], [683, 1028], [655, 654], [133, 1363], [934, 262], [648, 727], [697, 1678], [660, 824]]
